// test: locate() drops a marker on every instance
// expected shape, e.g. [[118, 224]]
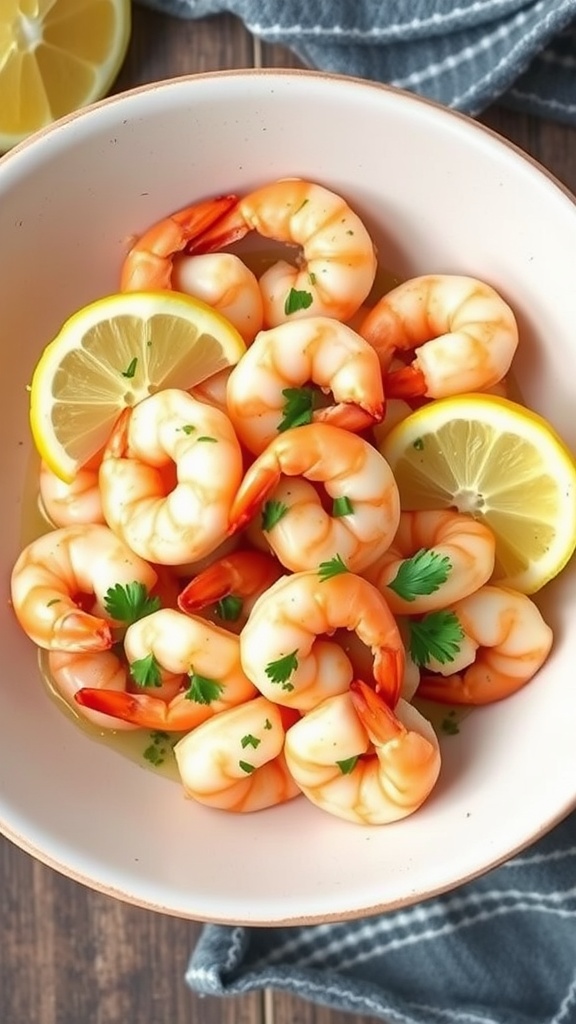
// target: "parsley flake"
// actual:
[[449, 724], [423, 573], [333, 567], [146, 671], [130, 370], [250, 741], [437, 635], [187, 428], [280, 671], [128, 602], [272, 513], [206, 437], [55, 600], [298, 408], [348, 764], [247, 767], [203, 690], [229, 608], [267, 724], [342, 506], [297, 300]]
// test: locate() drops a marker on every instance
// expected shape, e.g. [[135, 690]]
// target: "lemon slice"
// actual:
[[56, 56], [112, 354], [501, 463]]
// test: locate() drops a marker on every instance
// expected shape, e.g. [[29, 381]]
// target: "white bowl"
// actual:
[[440, 194]]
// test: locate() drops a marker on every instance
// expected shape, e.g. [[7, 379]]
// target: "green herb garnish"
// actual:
[[130, 369], [348, 764], [272, 513], [146, 671], [298, 408], [203, 690], [128, 602], [333, 567], [423, 573], [437, 636], [229, 608], [342, 506], [297, 300], [250, 741], [280, 671]]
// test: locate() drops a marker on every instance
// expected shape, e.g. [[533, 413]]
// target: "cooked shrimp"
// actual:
[[103, 670], [505, 641], [212, 391], [232, 583], [359, 760], [65, 504], [267, 387], [224, 282], [169, 646], [365, 503], [463, 333], [284, 636], [447, 550], [54, 575], [171, 434], [235, 761], [337, 265], [362, 660], [149, 264]]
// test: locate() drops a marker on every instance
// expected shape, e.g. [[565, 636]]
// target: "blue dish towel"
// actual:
[[465, 54], [499, 950]]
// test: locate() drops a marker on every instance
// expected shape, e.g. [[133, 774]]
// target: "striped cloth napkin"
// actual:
[[465, 54], [499, 950]]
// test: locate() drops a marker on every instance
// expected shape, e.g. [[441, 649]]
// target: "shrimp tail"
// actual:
[[473, 688], [138, 708], [149, 258], [224, 231], [242, 573], [376, 716], [389, 665], [409, 382], [79, 631], [351, 416], [257, 485]]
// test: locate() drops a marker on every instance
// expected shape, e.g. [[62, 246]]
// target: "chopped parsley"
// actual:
[[146, 671], [298, 408], [272, 513], [247, 767], [130, 370], [229, 608], [437, 636], [128, 602], [250, 741], [342, 506], [297, 300], [333, 567], [423, 573], [203, 690], [280, 671], [348, 764]]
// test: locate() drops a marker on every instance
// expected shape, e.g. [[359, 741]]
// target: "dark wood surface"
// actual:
[[72, 956]]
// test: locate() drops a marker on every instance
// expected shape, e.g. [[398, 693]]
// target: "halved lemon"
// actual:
[[56, 56], [500, 462], [113, 353]]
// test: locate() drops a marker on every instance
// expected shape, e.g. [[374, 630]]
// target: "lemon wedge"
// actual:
[[56, 56], [500, 462], [113, 353]]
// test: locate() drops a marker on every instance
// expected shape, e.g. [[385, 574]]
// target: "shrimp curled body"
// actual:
[[202, 659], [359, 760], [337, 266], [235, 761], [55, 570], [65, 504], [463, 333], [465, 545], [505, 642], [283, 644], [355, 476], [170, 431], [318, 350]]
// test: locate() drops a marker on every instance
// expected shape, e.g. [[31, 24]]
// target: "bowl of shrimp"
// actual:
[[207, 652]]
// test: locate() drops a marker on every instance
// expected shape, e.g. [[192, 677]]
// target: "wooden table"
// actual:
[[72, 956]]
